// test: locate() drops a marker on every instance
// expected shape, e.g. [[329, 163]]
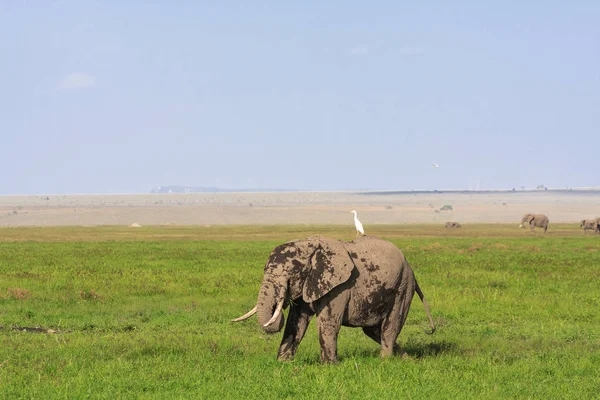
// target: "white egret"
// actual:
[[357, 224], [435, 166]]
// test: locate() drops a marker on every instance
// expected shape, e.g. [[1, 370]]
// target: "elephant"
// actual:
[[363, 283], [539, 220], [453, 225], [589, 224], [596, 225]]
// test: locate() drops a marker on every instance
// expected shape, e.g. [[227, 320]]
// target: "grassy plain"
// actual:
[[144, 313]]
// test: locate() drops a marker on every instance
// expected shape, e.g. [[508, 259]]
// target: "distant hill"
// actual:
[[204, 189], [539, 188]]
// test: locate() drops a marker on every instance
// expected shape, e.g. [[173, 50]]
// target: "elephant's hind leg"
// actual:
[[295, 328], [390, 329], [392, 325]]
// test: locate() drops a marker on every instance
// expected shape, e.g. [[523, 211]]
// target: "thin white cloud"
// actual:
[[78, 80], [359, 51]]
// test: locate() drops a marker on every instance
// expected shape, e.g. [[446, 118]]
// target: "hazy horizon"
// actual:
[[580, 189], [123, 97]]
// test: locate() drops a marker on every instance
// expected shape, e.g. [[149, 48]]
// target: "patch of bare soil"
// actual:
[[36, 329]]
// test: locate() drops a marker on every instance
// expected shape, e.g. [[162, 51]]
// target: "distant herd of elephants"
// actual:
[[541, 221]]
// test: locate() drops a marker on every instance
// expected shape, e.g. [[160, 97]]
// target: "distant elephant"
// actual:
[[364, 283], [589, 224], [539, 220], [453, 225]]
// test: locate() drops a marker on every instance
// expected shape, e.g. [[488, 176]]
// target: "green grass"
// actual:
[[144, 313]]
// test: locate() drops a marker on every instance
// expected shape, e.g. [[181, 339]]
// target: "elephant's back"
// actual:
[[373, 245], [379, 266], [542, 218], [376, 258]]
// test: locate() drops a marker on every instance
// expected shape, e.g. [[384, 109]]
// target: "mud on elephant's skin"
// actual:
[[535, 220], [364, 283]]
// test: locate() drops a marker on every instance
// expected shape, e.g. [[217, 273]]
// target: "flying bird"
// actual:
[[435, 166], [357, 224]]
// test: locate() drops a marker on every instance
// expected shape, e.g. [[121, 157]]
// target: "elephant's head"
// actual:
[[526, 218], [306, 269]]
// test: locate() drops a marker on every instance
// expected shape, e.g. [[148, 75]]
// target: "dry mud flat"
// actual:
[[320, 208]]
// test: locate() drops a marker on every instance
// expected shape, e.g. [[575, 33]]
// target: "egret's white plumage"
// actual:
[[435, 166], [357, 224]]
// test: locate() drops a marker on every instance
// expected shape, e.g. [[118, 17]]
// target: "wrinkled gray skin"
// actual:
[[364, 283], [589, 224], [453, 225], [536, 220]]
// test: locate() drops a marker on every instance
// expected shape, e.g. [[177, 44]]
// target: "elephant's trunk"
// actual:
[[270, 302]]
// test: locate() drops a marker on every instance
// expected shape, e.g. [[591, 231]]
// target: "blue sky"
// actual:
[[122, 96]]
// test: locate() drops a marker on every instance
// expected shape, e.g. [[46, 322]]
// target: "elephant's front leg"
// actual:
[[329, 320], [295, 327], [328, 334]]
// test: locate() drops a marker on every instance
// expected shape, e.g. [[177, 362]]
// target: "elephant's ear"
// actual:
[[329, 266]]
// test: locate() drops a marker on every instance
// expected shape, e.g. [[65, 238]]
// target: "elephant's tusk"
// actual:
[[276, 314], [245, 316], [520, 226]]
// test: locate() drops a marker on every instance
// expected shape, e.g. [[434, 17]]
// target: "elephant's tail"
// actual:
[[420, 293]]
